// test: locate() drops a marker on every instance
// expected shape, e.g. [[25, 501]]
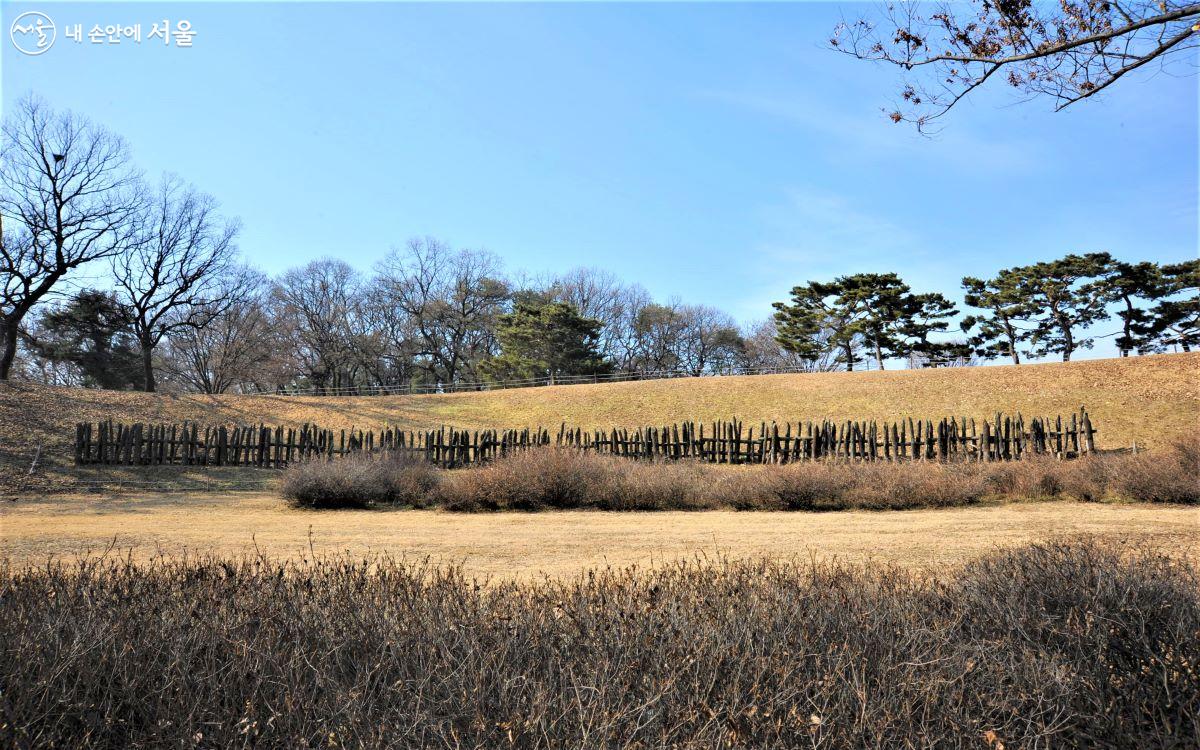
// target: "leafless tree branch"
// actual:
[[68, 197], [1067, 52]]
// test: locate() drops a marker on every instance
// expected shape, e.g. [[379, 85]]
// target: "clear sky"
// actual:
[[717, 152]]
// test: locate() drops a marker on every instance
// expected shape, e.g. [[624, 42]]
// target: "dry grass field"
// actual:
[[205, 612], [523, 545], [1151, 400]]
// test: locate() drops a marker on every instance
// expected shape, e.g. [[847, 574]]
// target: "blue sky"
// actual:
[[717, 152]]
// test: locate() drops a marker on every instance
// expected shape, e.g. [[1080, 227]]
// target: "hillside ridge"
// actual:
[[1150, 399]]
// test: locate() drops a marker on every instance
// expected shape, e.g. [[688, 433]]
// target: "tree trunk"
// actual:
[[147, 366], [878, 354], [849, 358], [12, 320], [1127, 328], [1064, 325], [10, 349], [1011, 335]]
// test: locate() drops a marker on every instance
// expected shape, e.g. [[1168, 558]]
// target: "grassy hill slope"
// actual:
[[1148, 399]]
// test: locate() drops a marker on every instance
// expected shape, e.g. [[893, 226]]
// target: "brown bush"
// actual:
[[1066, 644], [360, 481], [555, 478], [563, 478], [1170, 476], [531, 480]]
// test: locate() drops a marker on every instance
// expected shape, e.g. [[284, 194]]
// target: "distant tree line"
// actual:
[[1034, 311], [429, 314], [108, 280]]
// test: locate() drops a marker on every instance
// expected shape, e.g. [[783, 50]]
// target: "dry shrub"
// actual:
[[829, 486], [560, 478], [918, 486], [1089, 479], [686, 485], [807, 486], [1170, 476], [530, 480], [360, 481], [1045, 477], [1069, 644], [563, 478]]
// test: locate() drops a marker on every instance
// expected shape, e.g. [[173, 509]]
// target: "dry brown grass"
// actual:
[[1153, 400], [559, 543], [1066, 644]]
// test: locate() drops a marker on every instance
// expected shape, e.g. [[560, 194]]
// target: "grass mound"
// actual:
[[563, 478], [1152, 400], [1065, 644]]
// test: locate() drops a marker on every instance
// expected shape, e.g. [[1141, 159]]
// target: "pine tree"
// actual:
[[1000, 329], [93, 332], [1126, 284], [539, 339], [816, 307], [1060, 300], [1176, 321], [878, 304], [922, 315], [879, 310]]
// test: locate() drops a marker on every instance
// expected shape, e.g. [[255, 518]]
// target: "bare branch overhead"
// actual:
[[1065, 52]]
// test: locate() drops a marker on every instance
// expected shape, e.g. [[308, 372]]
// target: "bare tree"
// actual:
[[709, 341], [1064, 51], [658, 332], [763, 351], [175, 276], [237, 348], [69, 187], [622, 332], [318, 306], [400, 345], [452, 299], [949, 354]]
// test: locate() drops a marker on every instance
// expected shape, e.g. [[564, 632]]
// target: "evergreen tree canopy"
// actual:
[[921, 315], [1058, 299], [815, 323], [1000, 330], [93, 332], [877, 303], [1126, 284], [1176, 322], [540, 338], [878, 310], [1044, 304]]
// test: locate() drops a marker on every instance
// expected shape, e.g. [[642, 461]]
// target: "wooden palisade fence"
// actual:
[[1002, 438]]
